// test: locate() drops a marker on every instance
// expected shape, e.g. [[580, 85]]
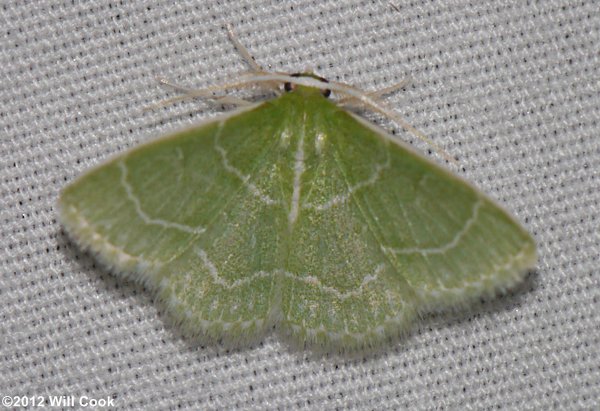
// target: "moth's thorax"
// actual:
[[308, 116]]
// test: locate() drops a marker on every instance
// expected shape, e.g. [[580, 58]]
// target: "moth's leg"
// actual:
[[377, 94]]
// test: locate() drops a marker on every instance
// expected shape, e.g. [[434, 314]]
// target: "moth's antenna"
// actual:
[[272, 81], [191, 93], [254, 66]]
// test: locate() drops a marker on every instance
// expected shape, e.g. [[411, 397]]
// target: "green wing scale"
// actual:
[[299, 215]]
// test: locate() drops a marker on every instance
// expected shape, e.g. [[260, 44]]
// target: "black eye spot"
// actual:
[[288, 86]]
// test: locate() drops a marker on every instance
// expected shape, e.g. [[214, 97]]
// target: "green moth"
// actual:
[[295, 214]]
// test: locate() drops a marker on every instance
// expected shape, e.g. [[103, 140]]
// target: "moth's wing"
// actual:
[[340, 290], [186, 216], [382, 233], [449, 241], [294, 211]]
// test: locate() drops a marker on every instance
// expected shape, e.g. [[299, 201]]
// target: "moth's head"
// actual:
[[289, 86]]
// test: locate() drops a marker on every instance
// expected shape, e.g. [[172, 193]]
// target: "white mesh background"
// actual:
[[510, 88]]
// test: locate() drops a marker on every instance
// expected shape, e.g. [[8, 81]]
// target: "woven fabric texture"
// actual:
[[511, 89]]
